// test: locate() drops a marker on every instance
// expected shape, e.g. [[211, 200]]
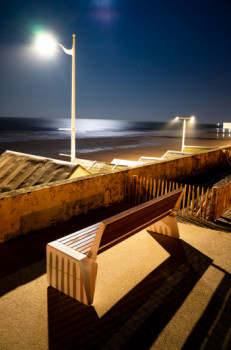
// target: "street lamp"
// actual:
[[45, 44], [192, 118]]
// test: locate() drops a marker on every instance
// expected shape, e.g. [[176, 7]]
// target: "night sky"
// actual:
[[135, 60]]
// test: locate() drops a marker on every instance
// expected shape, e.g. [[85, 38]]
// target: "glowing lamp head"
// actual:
[[192, 118], [45, 45], [174, 119]]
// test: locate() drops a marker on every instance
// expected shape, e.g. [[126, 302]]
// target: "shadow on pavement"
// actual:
[[213, 331], [222, 224]]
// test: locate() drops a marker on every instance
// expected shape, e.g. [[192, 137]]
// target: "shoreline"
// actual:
[[108, 148]]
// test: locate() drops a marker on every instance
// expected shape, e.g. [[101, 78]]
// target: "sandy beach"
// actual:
[[131, 148]]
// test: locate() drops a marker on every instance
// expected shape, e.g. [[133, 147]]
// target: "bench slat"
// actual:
[[80, 243], [76, 241], [79, 233], [119, 238], [138, 218], [84, 248]]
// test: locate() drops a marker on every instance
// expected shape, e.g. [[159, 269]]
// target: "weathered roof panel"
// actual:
[[96, 167], [19, 170]]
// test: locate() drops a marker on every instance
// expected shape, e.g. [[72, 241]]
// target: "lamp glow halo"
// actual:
[[45, 45]]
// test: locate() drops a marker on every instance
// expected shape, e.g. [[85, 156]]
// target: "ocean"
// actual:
[[25, 129], [93, 135]]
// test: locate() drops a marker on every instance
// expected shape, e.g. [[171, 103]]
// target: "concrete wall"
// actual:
[[29, 209], [34, 208], [181, 168]]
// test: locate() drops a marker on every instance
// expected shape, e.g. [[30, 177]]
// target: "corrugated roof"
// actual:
[[96, 167], [19, 170], [197, 149], [175, 154]]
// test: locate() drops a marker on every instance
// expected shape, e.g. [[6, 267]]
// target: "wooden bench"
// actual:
[[71, 260]]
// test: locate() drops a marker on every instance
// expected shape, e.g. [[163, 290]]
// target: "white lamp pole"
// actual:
[[72, 52], [73, 102], [45, 44], [184, 128], [183, 136]]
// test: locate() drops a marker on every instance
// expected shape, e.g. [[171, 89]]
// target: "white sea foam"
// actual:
[[25, 129]]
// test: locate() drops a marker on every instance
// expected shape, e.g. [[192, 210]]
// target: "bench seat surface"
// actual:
[[80, 240]]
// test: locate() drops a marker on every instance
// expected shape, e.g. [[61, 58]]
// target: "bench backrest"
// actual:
[[129, 222]]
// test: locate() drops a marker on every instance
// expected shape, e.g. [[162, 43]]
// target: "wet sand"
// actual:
[[131, 148]]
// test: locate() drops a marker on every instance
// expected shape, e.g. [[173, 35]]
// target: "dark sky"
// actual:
[[135, 60]]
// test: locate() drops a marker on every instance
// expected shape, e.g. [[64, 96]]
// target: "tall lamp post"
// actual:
[[46, 44], [184, 128]]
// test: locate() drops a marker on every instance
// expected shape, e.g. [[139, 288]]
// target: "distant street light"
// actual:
[[46, 44], [192, 118]]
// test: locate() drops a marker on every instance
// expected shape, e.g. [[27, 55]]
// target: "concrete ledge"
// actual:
[[180, 168], [35, 208]]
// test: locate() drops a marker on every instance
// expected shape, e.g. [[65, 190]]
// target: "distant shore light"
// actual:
[[174, 119], [192, 118]]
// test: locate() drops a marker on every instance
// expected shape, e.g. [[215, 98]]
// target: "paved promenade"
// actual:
[[152, 292]]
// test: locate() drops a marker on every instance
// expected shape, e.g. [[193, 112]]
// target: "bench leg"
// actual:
[[71, 276], [89, 272], [166, 226]]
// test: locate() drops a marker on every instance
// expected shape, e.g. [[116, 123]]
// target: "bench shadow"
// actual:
[[222, 224], [214, 177], [226, 218], [212, 331], [137, 319]]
